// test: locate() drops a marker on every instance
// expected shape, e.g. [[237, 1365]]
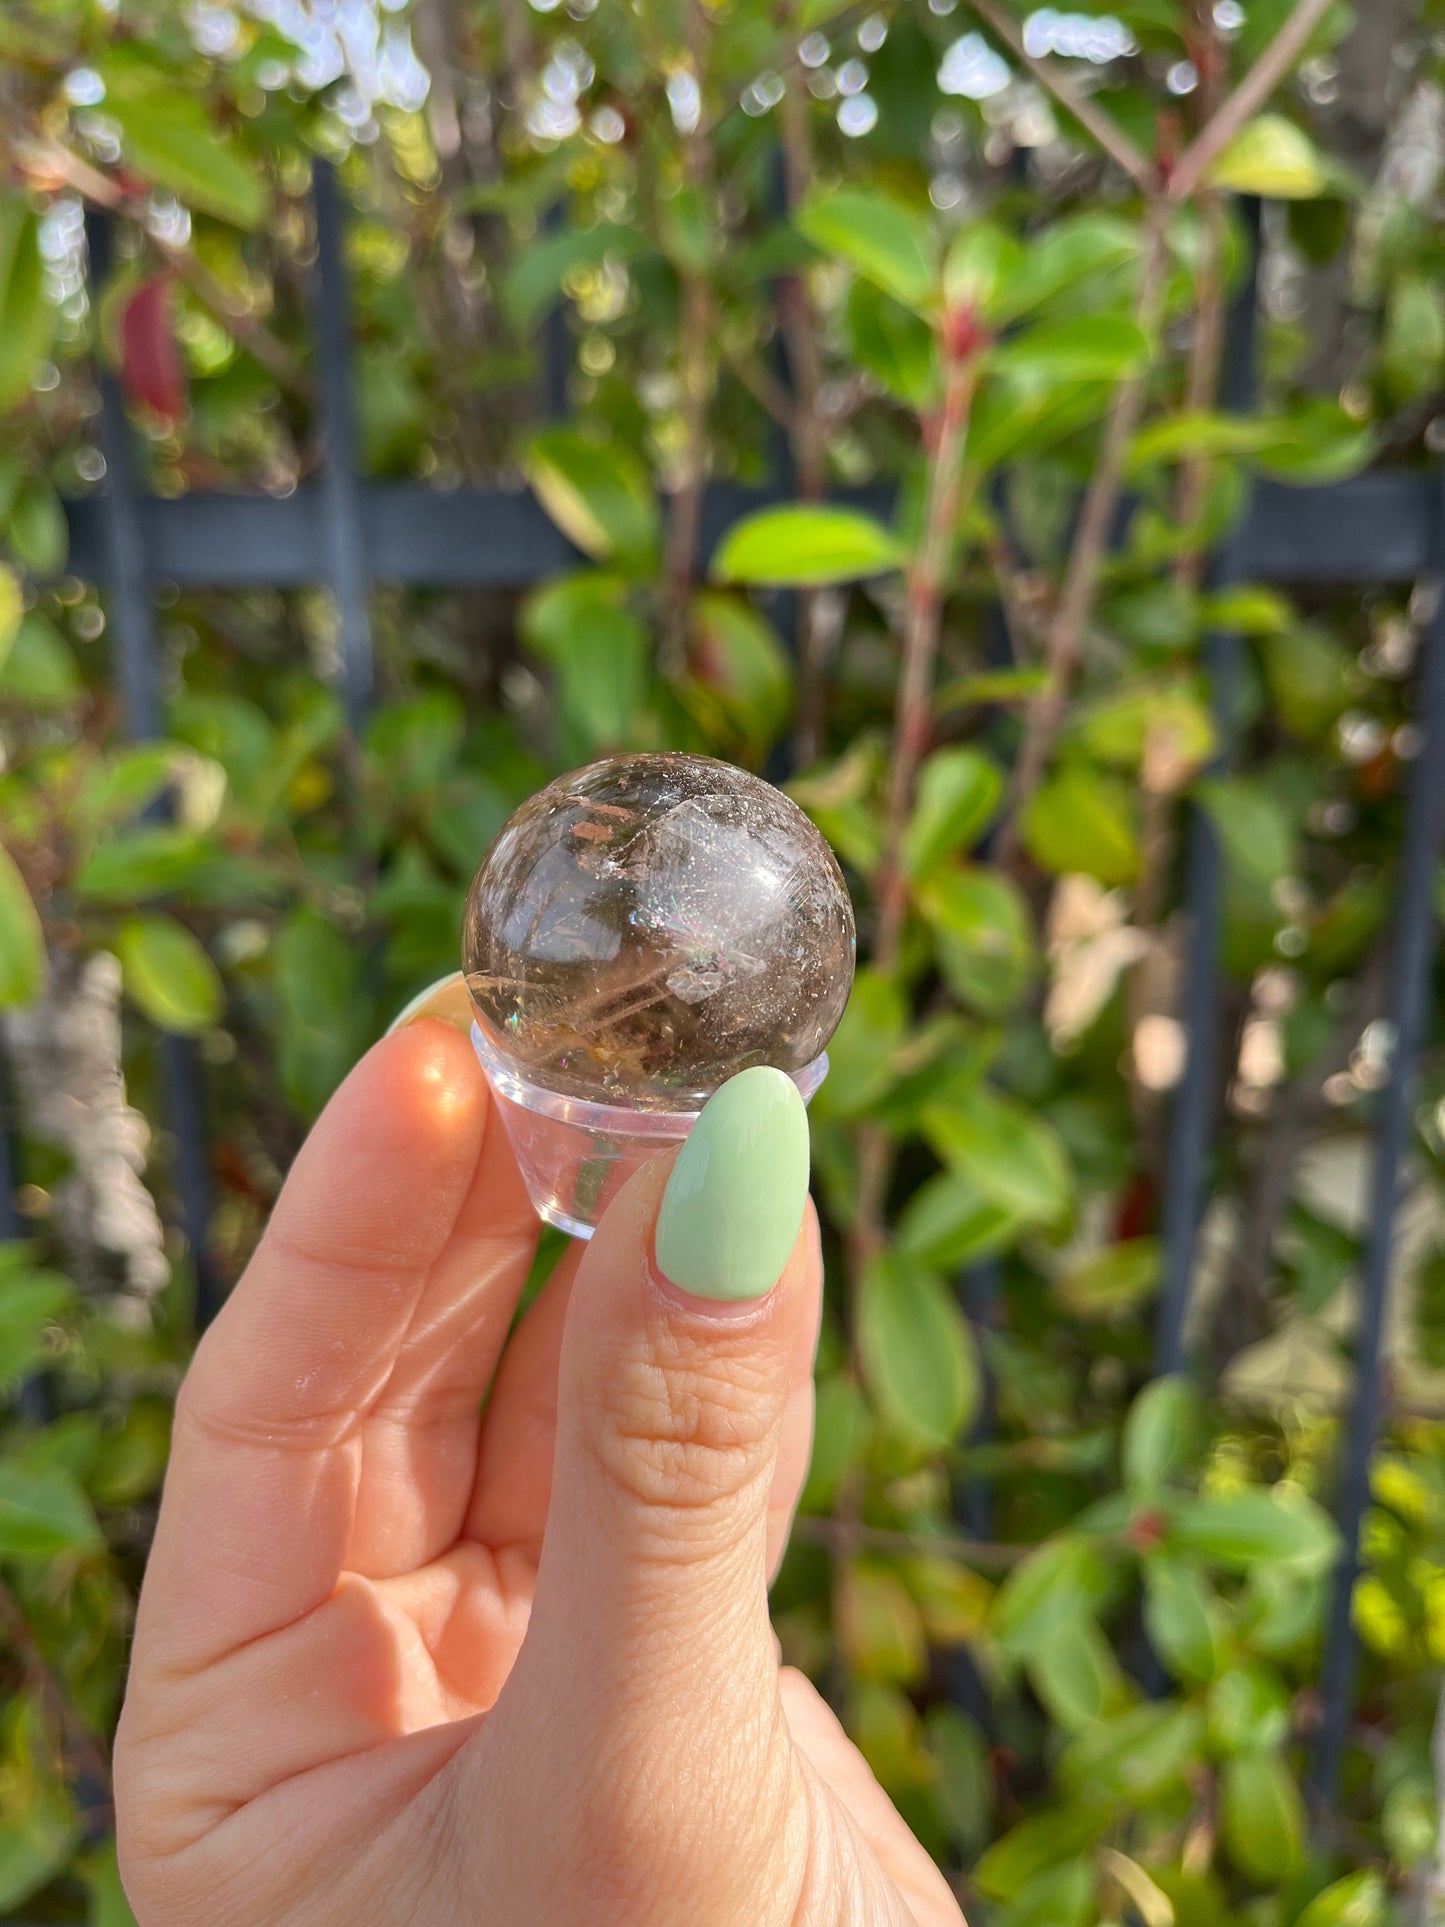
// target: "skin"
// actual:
[[400, 1658]]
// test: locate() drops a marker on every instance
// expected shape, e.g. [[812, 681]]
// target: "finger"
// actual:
[[514, 1470], [381, 1262], [649, 1630], [843, 1770]]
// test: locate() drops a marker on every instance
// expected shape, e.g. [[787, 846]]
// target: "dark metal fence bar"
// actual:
[[1193, 1114], [342, 519], [128, 576], [1372, 529], [1410, 1016]]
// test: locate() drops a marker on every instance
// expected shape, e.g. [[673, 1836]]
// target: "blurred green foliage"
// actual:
[[973, 303]]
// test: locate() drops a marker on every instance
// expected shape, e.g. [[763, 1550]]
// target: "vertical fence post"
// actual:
[[134, 650], [1410, 1017], [346, 567], [1192, 1114]]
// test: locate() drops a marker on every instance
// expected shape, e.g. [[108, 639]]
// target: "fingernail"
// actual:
[[446, 999], [734, 1203]]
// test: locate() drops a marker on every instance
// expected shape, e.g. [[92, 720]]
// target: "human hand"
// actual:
[[442, 1626]]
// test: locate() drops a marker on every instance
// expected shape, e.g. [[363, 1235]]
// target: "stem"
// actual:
[[968, 1552], [1091, 117], [1091, 541], [1202, 387], [1248, 97]]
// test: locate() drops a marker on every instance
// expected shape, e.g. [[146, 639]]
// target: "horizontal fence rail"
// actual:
[[345, 534]]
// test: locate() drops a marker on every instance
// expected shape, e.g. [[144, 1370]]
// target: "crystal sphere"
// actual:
[[646, 927]]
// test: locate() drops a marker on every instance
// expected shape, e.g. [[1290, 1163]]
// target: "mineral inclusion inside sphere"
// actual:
[[648, 926]]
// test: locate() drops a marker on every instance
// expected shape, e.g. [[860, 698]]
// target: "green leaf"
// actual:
[[957, 793], [1162, 1433], [859, 1054], [890, 244], [38, 531], [39, 669], [1081, 822], [31, 1300], [1166, 726], [992, 686], [880, 1630], [1034, 1847], [1256, 833], [534, 283], [43, 1513], [317, 976], [1134, 1756], [893, 343], [1057, 1585], [12, 611], [36, 1840], [917, 1352], [840, 1433], [600, 651], [949, 1222], [149, 861], [1248, 1711], [1359, 1900], [1262, 1817], [1111, 1283], [598, 494], [132, 1461], [739, 662], [1309, 673], [1054, 263], [1238, 1528], [1273, 158], [981, 266], [22, 941], [1412, 353], [27, 320], [954, 1601], [1074, 1674], [1193, 434], [805, 545], [108, 1904], [170, 136], [980, 922], [1177, 1616], [1010, 1155], [1096, 347], [1066, 1897], [166, 970]]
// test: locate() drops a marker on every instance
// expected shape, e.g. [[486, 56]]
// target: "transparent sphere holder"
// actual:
[[575, 1155]]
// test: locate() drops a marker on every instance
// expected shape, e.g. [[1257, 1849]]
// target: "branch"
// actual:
[[1092, 118], [1091, 541], [843, 1535], [50, 160], [1247, 99]]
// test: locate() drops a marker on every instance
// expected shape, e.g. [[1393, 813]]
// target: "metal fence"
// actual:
[[344, 534]]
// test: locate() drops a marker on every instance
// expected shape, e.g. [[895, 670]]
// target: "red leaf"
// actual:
[[150, 362]]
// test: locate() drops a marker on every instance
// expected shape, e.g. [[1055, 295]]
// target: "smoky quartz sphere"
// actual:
[[648, 926]]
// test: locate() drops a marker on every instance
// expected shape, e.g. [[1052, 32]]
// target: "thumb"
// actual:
[[692, 1317]]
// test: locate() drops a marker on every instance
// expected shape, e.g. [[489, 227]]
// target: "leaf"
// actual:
[[43, 1513], [534, 283], [39, 669], [949, 1223], [36, 1840], [1192, 434], [132, 1461], [893, 343], [22, 941], [917, 1352], [1058, 1584], [1083, 823], [737, 658], [31, 1301], [805, 545], [1273, 158], [1074, 1674], [880, 1630], [888, 243], [1066, 1897], [840, 1432], [957, 793], [598, 494], [982, 264], [1097, 347], [1069, 252], [992, 686], [108, 1904], [168, 973], [317, 977], [1177, 1617], [1164, 729], [27, 320], [1262, 1817], [1256, 834], [954, 1601], [1239, 1528], [149, 861], [1013, 1157], [12, 611], [1111, 1283], [1162, 1433], [1034, 1847], [39, 533], [859, 1053], [1412, 353], [600, 651], [1248, 1711], [1130, 1757], [1359, 1900], [170, 136], [150, 362], [980, 921]]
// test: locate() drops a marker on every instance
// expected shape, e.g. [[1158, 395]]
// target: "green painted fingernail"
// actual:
[[733, 1205]]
